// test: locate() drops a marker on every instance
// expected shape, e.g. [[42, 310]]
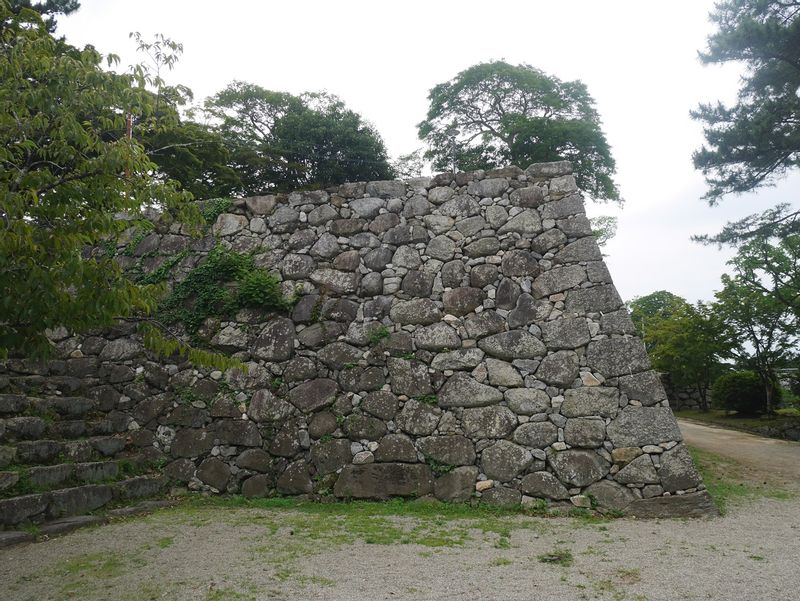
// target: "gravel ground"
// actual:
[[211, 552], [239, 554]]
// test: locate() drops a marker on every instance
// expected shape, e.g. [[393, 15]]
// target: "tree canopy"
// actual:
[[494, 114], [757, 139], [67, 170], [48, 9], [281, 141]]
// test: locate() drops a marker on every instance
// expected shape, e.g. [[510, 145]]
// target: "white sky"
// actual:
[[637, 57]]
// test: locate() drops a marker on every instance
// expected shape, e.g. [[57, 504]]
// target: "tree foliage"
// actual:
[[67, 169], [757, 139], [761, 311], [494, 114], [740, 391], [48, 9], [689, 342], [281, 141], [658, 304]]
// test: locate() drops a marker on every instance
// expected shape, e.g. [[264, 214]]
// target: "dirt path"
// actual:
[[778, 459]]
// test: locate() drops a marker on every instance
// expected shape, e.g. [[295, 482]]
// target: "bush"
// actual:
[[740, 391]]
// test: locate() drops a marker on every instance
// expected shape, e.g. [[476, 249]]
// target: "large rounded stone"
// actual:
[[504, 461], [559, 368], [617, 356], [215, 473], [461, 390], [436, 337], [640, 426], [459, 359], [516, 344], [295, 480], [543, 485], [191, 442], [313, 395], [254, 459], [519, 263], [420, 311], [639, 471], [559, 279], [266, 407], [610, 495], [457, 485], [677, 471], [567, 333], [418, 419], [448, 450], [537, 435], [578, 468], [364, 427], [276, 341], [322, 423], [338, 354], [396, 447], [461, 301], [590, 400], [409, 377], [329, 456], [441, 248], [381, 404], [527, 401], [526, 223], [585, 432], [488, 422]]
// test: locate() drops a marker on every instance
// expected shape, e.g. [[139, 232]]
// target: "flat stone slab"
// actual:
[[692, 505], [69, 524], [384, 480], [14, 537]]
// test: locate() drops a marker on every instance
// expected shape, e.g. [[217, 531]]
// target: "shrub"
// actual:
[[740, 391]]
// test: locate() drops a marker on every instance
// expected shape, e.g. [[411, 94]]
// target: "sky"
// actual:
[[638, 59]]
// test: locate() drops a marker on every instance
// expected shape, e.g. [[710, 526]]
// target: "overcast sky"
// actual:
[[637, 57]]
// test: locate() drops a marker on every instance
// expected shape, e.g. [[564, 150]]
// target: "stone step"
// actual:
[[57, 504], [61, 526], [47, 477], [47, 452]]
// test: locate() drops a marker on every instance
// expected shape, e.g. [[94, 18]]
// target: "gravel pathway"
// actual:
[[224, 554], [778, 458]]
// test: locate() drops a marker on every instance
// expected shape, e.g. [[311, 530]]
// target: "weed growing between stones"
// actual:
[[214, 207], [378, 334], [221, 285]]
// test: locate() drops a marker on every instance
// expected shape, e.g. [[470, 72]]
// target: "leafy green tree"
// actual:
[[67, 169], [281, 141], [495, 114], [757, 139], [765, 326], [325, 143], [47, 9], [409, 165], [689, 342], [604, 228], [659, 304]]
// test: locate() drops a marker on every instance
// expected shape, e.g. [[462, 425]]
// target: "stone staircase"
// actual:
[[62, 457]]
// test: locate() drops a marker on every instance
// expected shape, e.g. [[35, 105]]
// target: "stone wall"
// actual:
[[682, 398], [455, 336]]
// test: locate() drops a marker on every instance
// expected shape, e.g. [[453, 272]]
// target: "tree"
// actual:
[[67, 169], [659, 304], [764, 324], [47, 9], [280, 141], [757, 139], [494, 114], [604, 227], [689, 342], [410, 165]]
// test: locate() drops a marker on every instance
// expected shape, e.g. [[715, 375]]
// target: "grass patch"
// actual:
[[728, 482], [561, 557], [85, 574]]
